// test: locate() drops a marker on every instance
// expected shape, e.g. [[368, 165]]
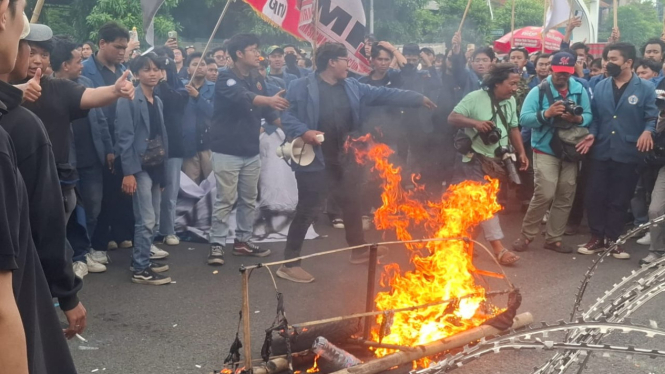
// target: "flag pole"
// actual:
[[468, 5], [315, 24], [37, 11], [543, 34], [212, 36], [615, 5], [512, 26]]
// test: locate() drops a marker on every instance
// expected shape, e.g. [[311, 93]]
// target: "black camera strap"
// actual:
[[496, 109]]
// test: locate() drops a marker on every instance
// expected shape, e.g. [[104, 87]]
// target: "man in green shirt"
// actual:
[[489, 117]]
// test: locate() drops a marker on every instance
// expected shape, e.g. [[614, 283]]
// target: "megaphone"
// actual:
[[297, 151]]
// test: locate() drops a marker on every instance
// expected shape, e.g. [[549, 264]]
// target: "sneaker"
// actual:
[[295, 274], [645, 240], [156, 253], [126, 244], [558, 247], [112, 245], [171, 240], [338, 223], [94, 266], [248, 249], [216, 256], [363, 257], [572, 230], [99, 256], [148, 276], [80, 269], [594, 245], [367, 223], [653, 256], [618, 251], [521, 244], [155, 266]]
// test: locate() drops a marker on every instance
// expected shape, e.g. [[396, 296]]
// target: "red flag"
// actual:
[[284, 14]]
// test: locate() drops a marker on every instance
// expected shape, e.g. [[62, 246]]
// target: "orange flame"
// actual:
[[315, 368], [445, 270]]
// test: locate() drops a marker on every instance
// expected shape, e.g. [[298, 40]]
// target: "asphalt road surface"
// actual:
[[188, 326]]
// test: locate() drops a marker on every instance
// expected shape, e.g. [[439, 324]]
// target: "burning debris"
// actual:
[[444, 271]]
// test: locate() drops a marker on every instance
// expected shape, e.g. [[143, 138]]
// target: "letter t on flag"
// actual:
[[150, 8], [557, 14]]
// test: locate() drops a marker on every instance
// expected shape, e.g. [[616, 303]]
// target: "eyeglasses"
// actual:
[[253, 50], [343, 59]]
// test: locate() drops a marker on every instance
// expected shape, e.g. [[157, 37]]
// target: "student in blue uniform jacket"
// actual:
[[624, 119]]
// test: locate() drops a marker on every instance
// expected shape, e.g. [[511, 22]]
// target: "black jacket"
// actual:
[[36, 163]]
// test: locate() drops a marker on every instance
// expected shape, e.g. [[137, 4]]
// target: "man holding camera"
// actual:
[[487, 119], [564, 106]]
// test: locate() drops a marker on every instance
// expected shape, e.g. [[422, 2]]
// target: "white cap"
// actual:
[[26, 27]]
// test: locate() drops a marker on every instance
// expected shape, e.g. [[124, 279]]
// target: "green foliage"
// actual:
[[527, 13], [638, 22], [128, 13]]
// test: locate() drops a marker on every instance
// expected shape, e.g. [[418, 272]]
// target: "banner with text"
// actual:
[[340, 21], [284, 14]]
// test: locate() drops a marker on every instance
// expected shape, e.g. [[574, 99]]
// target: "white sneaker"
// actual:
[[171, 240], [126, 244], [645, 240], [99, 257], [94, 266], [112, 245], [157, 253], [80, 269]]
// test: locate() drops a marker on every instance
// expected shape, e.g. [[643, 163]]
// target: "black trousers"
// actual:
[[116, 219], [577, 211], [610, 188], [342, 183]]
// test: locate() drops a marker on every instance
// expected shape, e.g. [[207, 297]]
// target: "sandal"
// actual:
[[507, 258]]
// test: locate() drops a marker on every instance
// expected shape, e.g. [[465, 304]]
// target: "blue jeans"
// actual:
[[91, 187], [237, 180], [473, 171], [146, 203], [171, 186]]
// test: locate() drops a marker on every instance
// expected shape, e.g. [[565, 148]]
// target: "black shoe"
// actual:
[[249, 249], [216, 256], [521, 244], [148, 276], [154, 266], [558, 247]]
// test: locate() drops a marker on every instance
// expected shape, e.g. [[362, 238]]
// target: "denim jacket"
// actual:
[[303, 112], [98, 127], [132, 125]]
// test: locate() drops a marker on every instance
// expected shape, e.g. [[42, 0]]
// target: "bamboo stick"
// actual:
[[455, 341], [468, 5], [615, 6], [543, 34], [246, 330], [37, 11], [399, 310], [512, 26]]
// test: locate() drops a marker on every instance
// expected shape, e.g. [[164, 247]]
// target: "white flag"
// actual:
[[558, 13]]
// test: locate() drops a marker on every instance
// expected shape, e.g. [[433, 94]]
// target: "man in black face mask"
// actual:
[[624, 119]]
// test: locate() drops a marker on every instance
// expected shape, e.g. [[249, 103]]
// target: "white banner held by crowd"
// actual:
[[340, 21]]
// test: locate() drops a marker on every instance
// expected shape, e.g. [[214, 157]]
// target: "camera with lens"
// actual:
[[509, 159], [573, 108], [491, 137]]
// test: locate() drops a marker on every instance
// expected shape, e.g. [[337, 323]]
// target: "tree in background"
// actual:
[[638, 23], [128, 13]]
